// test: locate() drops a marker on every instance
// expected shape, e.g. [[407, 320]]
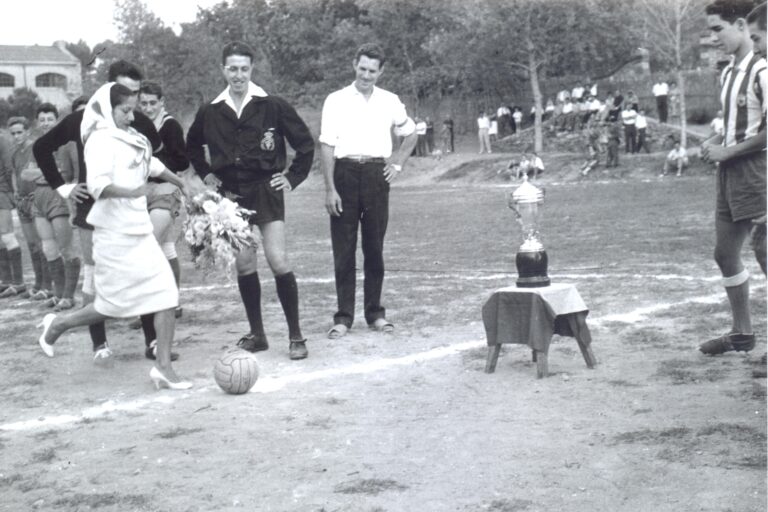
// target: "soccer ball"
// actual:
[[236, 372]]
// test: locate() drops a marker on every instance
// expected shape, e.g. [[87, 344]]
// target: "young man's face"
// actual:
[[729, 36], [46, 121], [18, 132], [123, 113], [757, 35], [237, 71], [367, 72], [150, 105]]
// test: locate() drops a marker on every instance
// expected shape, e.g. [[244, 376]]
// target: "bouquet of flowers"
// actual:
[[217, 229]]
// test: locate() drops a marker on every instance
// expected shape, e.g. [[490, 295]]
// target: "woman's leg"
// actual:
[[165, 324], [62, 323]]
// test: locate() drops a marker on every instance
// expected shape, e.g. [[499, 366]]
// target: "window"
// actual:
[[51, 80], [7, 80]]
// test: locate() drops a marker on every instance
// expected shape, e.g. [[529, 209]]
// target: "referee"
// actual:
[[358, 166], [245, 131]]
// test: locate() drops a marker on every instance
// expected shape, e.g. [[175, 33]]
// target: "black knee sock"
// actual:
[[148, 326], [5, 267], [45, 272], [56, 268], [71, 276], [37, 258], [176, 269], [288, 293], [98, 334], [250, 292], [14, 257]]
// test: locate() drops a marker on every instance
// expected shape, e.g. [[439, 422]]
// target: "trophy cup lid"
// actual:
[[527, 193]]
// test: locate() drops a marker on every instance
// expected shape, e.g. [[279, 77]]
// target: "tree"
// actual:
[[24, 102], [671, 28]]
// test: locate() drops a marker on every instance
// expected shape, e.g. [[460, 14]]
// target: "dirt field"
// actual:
[[410, 421]]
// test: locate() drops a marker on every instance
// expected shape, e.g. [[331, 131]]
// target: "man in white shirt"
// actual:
[[628, 119], [677, 158], [660, 91], [641, 125], [358, 166]]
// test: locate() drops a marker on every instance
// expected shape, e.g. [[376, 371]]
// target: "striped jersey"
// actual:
[[742, 94]]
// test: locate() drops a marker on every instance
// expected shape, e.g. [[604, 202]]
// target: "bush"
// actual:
[[701, 115]]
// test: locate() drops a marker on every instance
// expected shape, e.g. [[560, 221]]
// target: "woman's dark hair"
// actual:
[[79, 102], [118, 95]]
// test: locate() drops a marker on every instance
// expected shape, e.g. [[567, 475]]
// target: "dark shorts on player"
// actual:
[[25, 207], [259, 196], [741, 188], [6, 201], [49, 204]]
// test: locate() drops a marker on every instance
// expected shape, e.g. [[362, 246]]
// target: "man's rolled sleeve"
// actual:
[[404, 125]]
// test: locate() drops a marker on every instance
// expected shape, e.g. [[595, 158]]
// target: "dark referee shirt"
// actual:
[[251, 147], [68, 130]]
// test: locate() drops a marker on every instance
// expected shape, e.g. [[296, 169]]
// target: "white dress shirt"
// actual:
[[641, 122], [356, 126], [660, 89]]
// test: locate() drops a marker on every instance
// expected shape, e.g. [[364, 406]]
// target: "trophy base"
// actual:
[[532, 269]]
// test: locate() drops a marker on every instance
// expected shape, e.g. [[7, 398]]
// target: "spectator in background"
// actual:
[[504, 117], [549, 110], [517, 118], [566, 120], [677, 159], [421, 134], [614, 140], [641, 124], [577, 93], [593, 147], [629, 120], [483, 126], [614, 109], [660, 92], [430, 135], [633, 101], [446, 137], [493, 131], [717, 124], [448, 123]]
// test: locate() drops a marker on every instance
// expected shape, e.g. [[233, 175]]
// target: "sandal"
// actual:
[[13, 290], [64, 304], [337, 331], [40, 295], [382, 325]]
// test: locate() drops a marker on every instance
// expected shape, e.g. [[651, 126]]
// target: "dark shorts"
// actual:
[[741, 188], [25, 207], [170, 202], [259, 196], [6, 201], [82, 209], [49, 204]]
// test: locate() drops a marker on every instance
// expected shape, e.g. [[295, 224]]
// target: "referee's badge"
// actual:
[[268, 140], [741, 100]]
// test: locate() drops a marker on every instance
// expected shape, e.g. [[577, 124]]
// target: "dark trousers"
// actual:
[[641, 141], [613, 154], [630, 138], [662, 108], [365, 202]]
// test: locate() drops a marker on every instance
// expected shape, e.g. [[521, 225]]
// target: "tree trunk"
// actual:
[[533, 75], [683, 116], [680, 76]]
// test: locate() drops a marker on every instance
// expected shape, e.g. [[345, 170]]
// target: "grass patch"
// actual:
[[80, 501], [369, 486], [43, 456]]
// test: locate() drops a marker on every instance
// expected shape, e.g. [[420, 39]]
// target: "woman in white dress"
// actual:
[[131, 276]]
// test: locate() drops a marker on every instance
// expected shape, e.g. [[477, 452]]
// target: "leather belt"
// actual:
[[359, 159]]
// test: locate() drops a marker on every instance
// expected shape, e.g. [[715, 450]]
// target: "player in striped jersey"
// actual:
[[740, 154]]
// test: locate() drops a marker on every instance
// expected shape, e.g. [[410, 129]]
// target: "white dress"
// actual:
[[132, 276]]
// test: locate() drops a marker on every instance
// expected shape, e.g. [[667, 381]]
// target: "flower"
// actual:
[[216, 230]]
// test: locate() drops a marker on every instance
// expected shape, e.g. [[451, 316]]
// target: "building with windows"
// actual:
[[51, 71]]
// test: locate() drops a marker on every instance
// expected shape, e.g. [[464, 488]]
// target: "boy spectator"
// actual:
[[677, 158]]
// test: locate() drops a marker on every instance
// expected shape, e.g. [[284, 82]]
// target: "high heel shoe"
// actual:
[[161, 381], [46, 324]]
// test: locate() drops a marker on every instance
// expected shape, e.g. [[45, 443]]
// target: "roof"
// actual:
[[35, 54]]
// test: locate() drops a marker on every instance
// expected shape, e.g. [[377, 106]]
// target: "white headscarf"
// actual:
[[98, 116]]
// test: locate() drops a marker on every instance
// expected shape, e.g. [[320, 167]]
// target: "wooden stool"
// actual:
[[531, 316]]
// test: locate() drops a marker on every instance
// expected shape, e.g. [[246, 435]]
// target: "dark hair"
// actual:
[[46, 108], [79, 101], [236, 48], [123, 68], [118, 93], [151, 88], [372, 51], [18, 120], [730, 10], [757, 15]]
